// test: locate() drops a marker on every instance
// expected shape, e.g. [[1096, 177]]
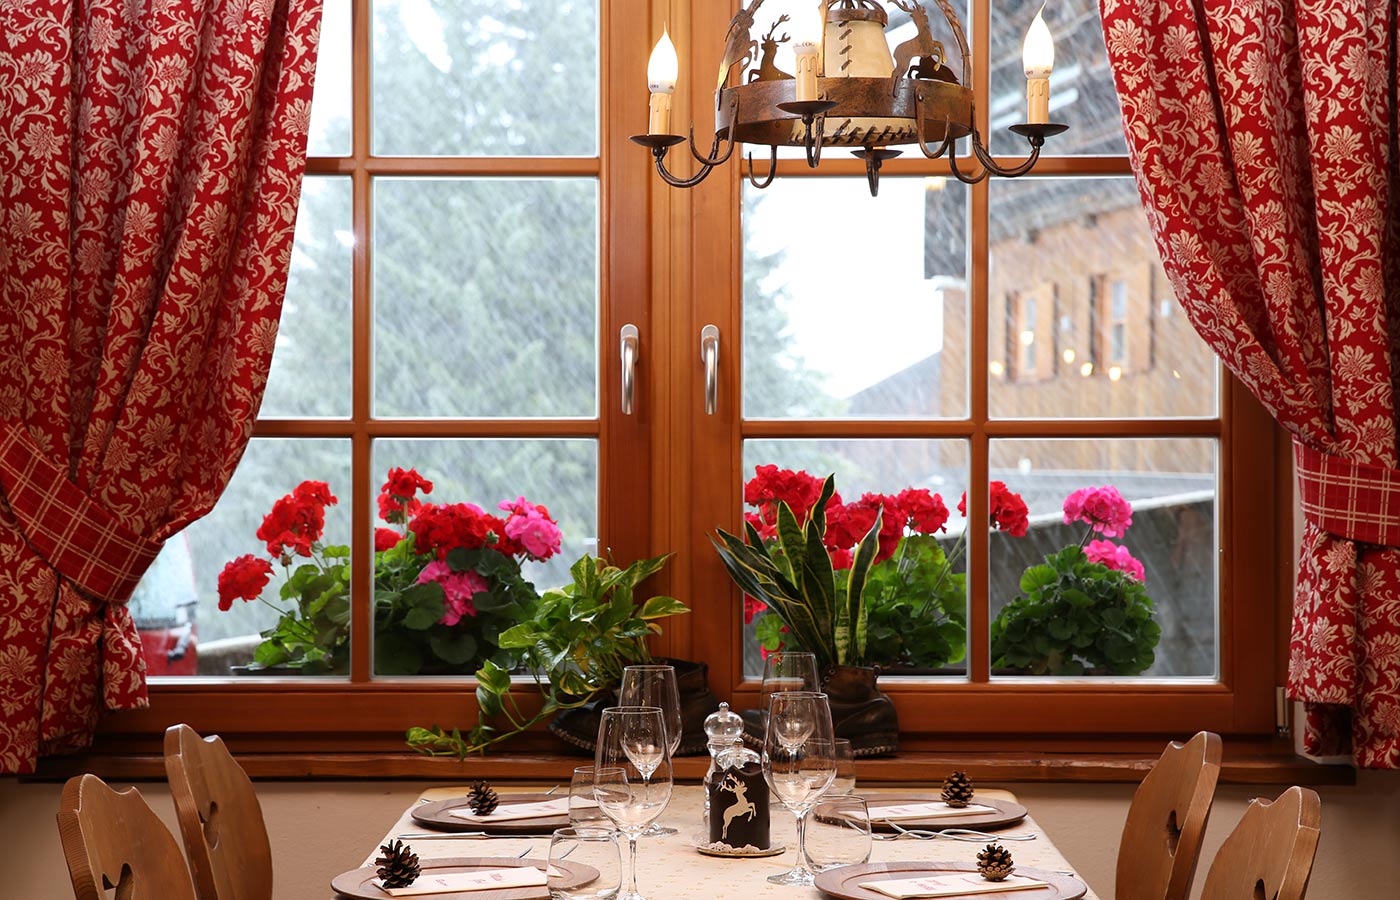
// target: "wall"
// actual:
[[320, 829]]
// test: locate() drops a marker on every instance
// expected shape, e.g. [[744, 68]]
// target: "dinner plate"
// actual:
[[360, 882], [1007, 813], [844, 882], [437, 815]]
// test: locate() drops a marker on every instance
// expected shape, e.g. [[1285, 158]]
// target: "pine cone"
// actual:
[[398, 867], [482, 800], [957, 790], [995, 862]]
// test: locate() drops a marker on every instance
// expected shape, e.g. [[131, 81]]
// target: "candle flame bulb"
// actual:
[[1038, 52], [663, 67]]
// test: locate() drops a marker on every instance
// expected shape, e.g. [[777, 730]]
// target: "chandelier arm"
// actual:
[[990, 164], [919, 130], [958, 173], [872, 174], [713, 160], [810, 143], [772, 169], [672, 180]]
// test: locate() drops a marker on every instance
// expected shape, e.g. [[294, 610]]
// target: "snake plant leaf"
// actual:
[[861, 561]]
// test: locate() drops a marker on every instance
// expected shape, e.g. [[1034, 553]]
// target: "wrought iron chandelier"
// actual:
[[849, 90]]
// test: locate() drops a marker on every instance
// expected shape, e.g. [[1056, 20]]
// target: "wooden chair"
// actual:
[[115, 841], [220, 818], [1167, 820], [1270, 853]]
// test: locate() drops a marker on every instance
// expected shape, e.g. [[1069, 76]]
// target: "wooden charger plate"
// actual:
[[360, 883], [437, 815], [1007, 813], [844, 882]]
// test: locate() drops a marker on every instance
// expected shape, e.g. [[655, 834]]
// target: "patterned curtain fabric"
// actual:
[[151, 154], [1263, 139]]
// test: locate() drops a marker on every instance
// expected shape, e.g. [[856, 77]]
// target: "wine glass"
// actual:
[[653, 685], [845, 781], [787, 670], [799, 763], [632, 775]]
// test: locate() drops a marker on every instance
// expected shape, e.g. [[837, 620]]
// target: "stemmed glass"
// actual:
[[632, 775], [799, 763], [787, 670], [653, 685]]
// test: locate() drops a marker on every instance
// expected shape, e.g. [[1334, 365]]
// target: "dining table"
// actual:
[[669, 867]]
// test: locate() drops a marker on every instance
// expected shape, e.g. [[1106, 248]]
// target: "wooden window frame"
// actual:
[[671, 263]]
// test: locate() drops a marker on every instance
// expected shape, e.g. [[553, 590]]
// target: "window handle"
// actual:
[[709, 355], [630, 347]]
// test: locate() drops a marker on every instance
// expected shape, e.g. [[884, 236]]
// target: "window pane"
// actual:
[[486, 297], [1118, 347], [330, 105], [1084, 622], [311, 361], [475, 78], [176, 606], [855, 306], [917, 607], [561, 474], [1082, 94]]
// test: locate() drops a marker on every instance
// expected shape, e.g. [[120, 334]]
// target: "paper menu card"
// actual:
[[957, 884], [558, 806], [475, 880], [932, 810]]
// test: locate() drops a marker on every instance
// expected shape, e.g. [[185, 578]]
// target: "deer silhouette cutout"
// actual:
[[921, 44], [741, 806], [767, 70], [739, 47]]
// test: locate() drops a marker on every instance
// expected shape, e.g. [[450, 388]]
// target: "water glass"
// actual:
[[593, 847], [838, 833], [584, 811], [845, 780], [799, 763]]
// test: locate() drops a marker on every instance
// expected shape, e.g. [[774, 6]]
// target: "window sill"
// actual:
[[906, 768]]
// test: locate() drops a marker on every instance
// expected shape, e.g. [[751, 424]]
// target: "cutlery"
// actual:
[[455, 835], [951, 834]]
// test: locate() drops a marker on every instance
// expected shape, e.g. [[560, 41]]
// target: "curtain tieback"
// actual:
[[1351, 500], [82, 541]]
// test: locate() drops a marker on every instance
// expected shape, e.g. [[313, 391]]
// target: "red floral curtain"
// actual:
[[151, 156], [1263, 139]]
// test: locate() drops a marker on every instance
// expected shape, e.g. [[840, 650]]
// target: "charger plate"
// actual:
[[360, 882], [1007, 813], [438, 816], [844, 882]]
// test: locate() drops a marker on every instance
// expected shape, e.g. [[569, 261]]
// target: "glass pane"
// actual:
[[856, 320], [485, 297], [331, 102], [310, 373], [1082, 94], [1068, 256], [1141, 597], [176, 605], [560, 474], [477, 78], [915, 596]]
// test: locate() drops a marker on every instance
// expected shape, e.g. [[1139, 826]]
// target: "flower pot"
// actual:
[[579, 727], [860, 712]]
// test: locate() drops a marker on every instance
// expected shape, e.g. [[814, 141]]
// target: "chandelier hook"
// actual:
[[772, 169]]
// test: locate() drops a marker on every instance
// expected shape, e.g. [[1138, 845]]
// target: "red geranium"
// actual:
[[398, 498], [297, 520], [440, 529], [923, 512], [771, 485], [1009, 513], [386, 539], [243, 579]]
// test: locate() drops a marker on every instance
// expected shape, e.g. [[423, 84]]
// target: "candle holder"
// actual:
[[875, 157], [810, 111]]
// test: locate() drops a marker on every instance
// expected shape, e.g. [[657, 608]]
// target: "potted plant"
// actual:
[[1085, 610], [447, 581], [574, 642], [792, 574]]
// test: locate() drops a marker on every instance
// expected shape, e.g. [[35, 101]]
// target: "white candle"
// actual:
[[1038, 57], [806, 44], [662, 70]]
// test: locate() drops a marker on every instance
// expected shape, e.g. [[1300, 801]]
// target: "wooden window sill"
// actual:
[[909, 767]]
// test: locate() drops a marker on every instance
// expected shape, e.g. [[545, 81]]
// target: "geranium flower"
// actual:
[[1009, 512], [441, 529], [530, 526], [771, 485], [1115, 556], [922, 512], [458, 588], [297, 520], [398, 498], [752, 607], [386, 539], [1102, 508], [243, 579]]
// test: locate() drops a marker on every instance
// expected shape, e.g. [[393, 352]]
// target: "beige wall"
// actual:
[[321, 829]]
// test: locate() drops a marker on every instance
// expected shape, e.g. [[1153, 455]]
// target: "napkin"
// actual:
[[932, 810], [476, 880], [954, 885], [559, 806]]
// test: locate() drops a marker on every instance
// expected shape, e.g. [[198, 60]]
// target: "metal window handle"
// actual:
[[630, 348], [709, 355]]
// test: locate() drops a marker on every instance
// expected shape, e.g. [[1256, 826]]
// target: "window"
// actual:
[[476, 229]]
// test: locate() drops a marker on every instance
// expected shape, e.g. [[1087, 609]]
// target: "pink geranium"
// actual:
[[530, 526], [1115, 556], [1102, 508], [458, 588]]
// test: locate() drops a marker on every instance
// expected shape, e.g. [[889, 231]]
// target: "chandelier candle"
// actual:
[[1038, 57], [663, 68], [807, 45]]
